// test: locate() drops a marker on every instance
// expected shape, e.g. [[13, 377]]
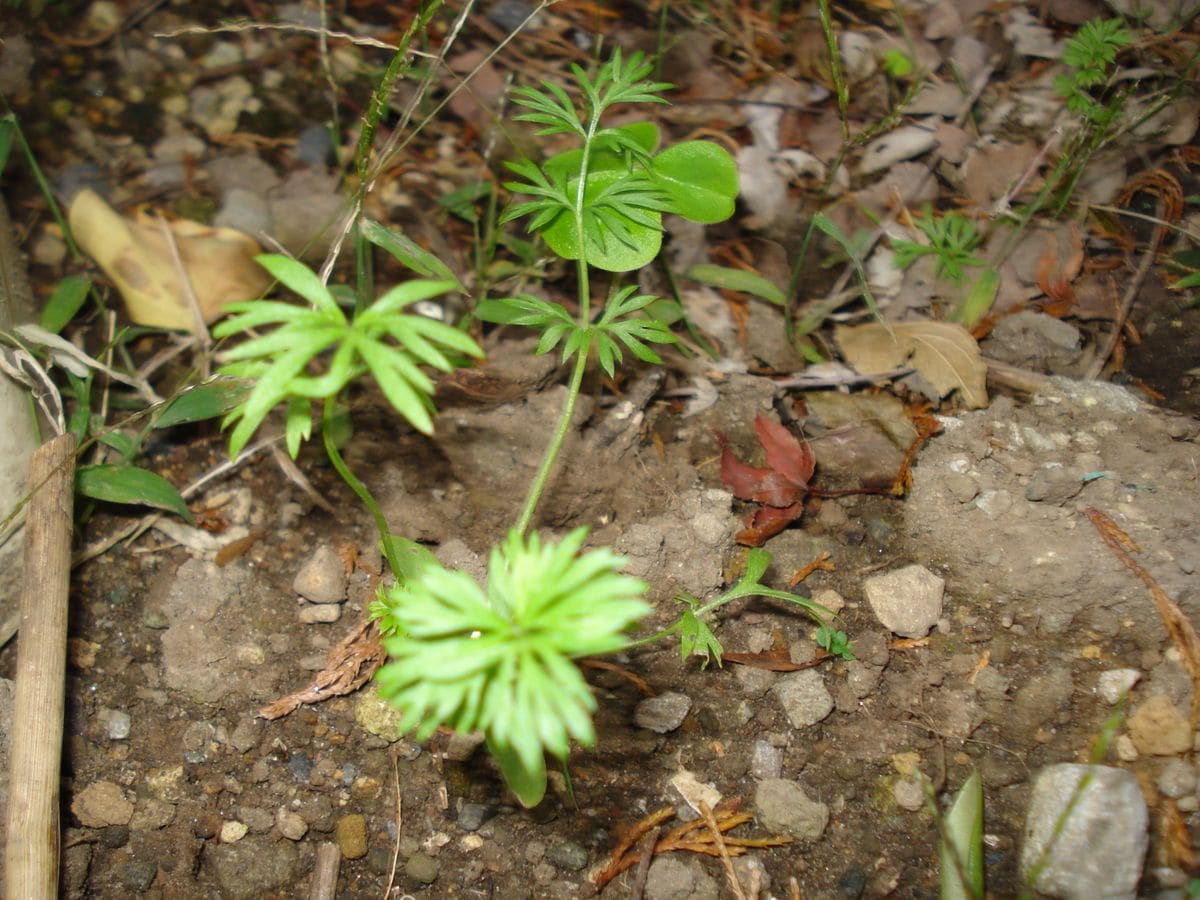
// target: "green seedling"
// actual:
[[953, 240], [500, 659], [1091, 54], [697, 639]]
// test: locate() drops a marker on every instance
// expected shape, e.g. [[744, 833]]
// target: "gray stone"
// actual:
[[1116, 683], [803, 696], [1177, 779], [322, 579], [663, 713], [568, 855], [781, 805], [472, 815], [319, 613], [422, 868], [254, 867], [766, 760], [671, 877], [117, 723], [908, 601], [290, 824], [1098, 850]]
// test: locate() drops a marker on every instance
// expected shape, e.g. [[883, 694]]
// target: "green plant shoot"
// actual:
[[500, 661]]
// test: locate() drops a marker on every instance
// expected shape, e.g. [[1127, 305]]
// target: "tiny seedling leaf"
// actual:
[[697, 639], [129, 484], [961, 851], [68, 298], [736, 280]]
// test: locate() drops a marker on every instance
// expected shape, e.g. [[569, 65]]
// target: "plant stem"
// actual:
[[581, 356], [358, 487], [556, 442]]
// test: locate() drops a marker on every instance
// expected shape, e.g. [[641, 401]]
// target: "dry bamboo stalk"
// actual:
[[325, 872], [32, 854]]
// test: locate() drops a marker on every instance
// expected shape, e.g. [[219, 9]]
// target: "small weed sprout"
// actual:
[[952, 242]]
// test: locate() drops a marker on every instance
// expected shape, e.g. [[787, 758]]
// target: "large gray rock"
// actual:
[[1097, 851]]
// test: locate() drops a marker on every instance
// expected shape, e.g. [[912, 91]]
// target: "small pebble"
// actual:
[[322, 579], [908, 794], [117, 723], [1177, 779], [316, 613], [663, 713], [137, 875], [233, 831], [472, 815], [766, 761], [1116, 683], [291, 825], [568, 855]]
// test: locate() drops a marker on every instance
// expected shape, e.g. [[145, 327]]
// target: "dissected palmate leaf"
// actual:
[[944, 353]]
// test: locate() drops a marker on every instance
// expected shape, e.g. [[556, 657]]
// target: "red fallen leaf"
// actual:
[[780, 486], [785, 454], [748, 482], [766, 522]]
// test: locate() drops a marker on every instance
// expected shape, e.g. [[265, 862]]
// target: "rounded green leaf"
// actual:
[[700, 180], [604, 248]]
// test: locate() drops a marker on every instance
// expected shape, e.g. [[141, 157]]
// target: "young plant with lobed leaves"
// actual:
[[500, 660]]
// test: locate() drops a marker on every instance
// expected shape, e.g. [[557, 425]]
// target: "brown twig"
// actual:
[[726, 860], [1131, 292], [1179, 627], [646, 849]]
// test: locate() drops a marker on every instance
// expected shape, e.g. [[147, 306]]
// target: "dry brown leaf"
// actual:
[[136, 255], [943, 353]]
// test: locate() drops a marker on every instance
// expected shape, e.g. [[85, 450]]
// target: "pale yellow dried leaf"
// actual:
[[944, 354], [135, 254]]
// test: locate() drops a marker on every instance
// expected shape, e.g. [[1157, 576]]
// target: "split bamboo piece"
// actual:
[[32, 853]]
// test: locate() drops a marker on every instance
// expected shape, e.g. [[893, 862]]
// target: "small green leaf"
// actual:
[[979, 301], [68, 298], [408, 253], [204, 401], [529, 784], [118, 440], [300, 278], [736, 280], [697, 639], [129, 484], [700, 180], [961, 852], [8, 130]]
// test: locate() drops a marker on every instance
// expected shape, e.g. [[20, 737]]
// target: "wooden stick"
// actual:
[[325, 872], [31, 857]]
